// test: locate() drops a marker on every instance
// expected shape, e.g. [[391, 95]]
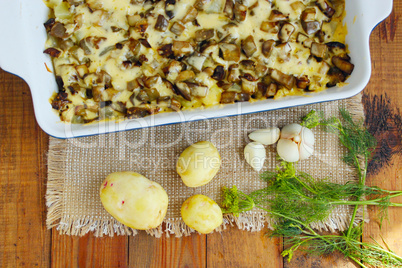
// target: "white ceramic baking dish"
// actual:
[[22, 43]]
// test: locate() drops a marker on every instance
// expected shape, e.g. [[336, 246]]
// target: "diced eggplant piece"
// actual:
[[134, 46], [261, 91], [183, 89], [133, 85], [248, 65], [60, 83], [228, 97], [234, 73], [228, 10], [301, 38], [339, 6], [230, 52], [308, 14], [219, 73], [196, 61], [285, 80], [228, 39], [153, 94], [326, 7], [336, 76], [161, 23], [49, 24], [248, 86], [337, 48], [60, 101], [320, 35], [58, 30], [166, 50], [175, 105], [284, 50], [276, 16], [97, 92], [169, 8], [53, 52], [181, 48], [177, 28], [204, 34], [197, 90], [138, 112], [241, 97], [270, 27], [223, 85], [190, 16], [185, 75], [286, 32], [272, 89], [240, 12], [248, 77], [104, 78], [82, 70], [174, 67], [152, 81], [267, 47], [208, 70], [302, 82], [343, 65], [119, 107], [199, 4], [145, 43], [260, 70], [143, 96], [319, 50], [248, 46], [311, 27], [214, 7]]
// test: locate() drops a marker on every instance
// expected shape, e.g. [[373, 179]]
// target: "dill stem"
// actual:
[[305, 185], [362, 181]]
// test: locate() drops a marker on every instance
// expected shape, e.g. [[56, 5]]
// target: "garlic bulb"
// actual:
[[296, 143], [266, 136], [255, 155]]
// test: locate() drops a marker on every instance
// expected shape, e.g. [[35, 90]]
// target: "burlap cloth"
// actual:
[[77, 167]]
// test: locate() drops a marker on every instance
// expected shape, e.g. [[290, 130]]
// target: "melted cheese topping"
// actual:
[[111, 62]]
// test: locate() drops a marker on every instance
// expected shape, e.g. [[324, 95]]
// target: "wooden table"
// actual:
[[25, 241]]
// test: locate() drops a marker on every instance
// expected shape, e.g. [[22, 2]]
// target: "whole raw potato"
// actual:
[[134, 200], [201, 213], [198, 164]]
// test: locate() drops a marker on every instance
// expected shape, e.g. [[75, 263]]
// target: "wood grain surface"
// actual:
[[24, 240]]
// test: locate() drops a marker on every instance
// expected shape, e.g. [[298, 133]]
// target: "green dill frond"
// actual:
[[312, 119], [235, 201]]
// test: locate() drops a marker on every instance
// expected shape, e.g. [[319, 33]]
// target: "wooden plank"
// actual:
[[147, 251], [235, 248], [383, 101], [24, 240], [89, 251]]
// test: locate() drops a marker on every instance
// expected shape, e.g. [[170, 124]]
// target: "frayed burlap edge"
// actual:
[[250, 221]]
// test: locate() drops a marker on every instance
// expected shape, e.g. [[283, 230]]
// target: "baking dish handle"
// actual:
[[12, 45], [375, 11]]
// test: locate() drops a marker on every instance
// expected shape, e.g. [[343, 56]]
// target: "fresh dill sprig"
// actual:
[[295, 199]]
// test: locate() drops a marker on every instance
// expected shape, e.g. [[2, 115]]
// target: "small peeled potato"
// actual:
[[201, 213], [134, 200], [198, 164]]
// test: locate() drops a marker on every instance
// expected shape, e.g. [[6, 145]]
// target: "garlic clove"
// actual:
[[255, 155], [291, 131], [308, 136], [305, 150], [266, 136], [288, 150]]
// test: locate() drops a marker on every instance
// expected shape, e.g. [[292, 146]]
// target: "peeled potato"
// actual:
[[134, 200], [198, 164], [201, 213]]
